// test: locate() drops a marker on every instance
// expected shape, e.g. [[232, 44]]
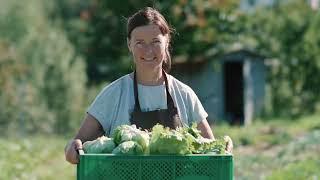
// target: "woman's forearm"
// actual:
[[90, 129], [205, 129]]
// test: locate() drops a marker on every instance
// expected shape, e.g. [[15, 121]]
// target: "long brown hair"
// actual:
[[147, 16]]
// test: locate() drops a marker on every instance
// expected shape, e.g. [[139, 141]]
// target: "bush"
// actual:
[[288, 33], [42, 79]]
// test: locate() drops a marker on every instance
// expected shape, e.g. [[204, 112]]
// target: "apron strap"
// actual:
[[136, 96], [170, 103]]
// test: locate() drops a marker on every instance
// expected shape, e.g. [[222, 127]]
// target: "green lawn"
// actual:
[[34, 158], [276, 149]]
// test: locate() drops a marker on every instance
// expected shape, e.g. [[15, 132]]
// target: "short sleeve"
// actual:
[[103, 108], [196, 111]]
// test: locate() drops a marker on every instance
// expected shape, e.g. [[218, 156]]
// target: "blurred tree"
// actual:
[[286, 32], [98, 28], [41, 77]]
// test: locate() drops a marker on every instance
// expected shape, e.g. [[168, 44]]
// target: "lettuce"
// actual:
[[166, 141], [102, 144], [125, 133], [183, 140], [128, 148], [128, 140], [217, 147]]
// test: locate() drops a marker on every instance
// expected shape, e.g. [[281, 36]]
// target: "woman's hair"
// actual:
[[147, 16]]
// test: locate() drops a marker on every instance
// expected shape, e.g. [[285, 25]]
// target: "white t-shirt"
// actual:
[[114, 104]]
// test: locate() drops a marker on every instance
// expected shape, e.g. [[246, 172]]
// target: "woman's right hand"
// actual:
[[71, 151], [89, 130]]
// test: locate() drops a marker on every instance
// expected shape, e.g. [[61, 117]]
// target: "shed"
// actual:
[[230, 88]]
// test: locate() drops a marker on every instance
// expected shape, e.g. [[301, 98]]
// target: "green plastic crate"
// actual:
[[154, 167]]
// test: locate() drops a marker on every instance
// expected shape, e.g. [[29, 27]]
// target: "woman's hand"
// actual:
[[89, 130], [71, 151], [229, 144]]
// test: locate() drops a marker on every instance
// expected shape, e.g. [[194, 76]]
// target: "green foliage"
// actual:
[[166, 141], [307, 169], [287, 33], [182, 141], [100, 31], [262, 161], [162, 140], [269, 132], [42, 75], [125, 133], [204, 30], [102, 144], [42, 78], [128, 148], [298, 160], [42, 157], [34, 157]]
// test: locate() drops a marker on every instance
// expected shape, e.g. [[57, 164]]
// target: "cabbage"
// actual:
[[128, 140], [142, 139], [102, 144], [125, 133], [128, 148]]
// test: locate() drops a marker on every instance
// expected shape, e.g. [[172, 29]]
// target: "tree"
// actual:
[[42, 78], [99, 30], [287, 33]]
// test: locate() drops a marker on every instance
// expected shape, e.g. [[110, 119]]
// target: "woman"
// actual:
[[148, 95]]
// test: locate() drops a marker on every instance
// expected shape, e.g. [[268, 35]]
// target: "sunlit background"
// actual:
[[254, 64]]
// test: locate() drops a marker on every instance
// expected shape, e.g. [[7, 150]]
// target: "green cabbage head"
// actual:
[[125, 133], [102, 144], [128, 148]]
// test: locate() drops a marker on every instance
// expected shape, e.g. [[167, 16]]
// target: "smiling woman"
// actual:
[[148, 47], [148, 40], [147, 96]]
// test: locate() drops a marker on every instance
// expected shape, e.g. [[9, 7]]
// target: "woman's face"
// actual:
[[148, 45]]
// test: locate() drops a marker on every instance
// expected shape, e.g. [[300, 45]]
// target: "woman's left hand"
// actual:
[[229, 144]]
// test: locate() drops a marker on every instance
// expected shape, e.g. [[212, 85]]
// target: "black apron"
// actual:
[[146, 120]]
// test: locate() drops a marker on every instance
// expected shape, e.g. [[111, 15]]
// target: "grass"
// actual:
[[270, 132], [273, 149], [306, 169], [273, 162], [33, 158]]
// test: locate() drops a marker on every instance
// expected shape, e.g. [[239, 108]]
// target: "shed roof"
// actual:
[[185, 64]]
